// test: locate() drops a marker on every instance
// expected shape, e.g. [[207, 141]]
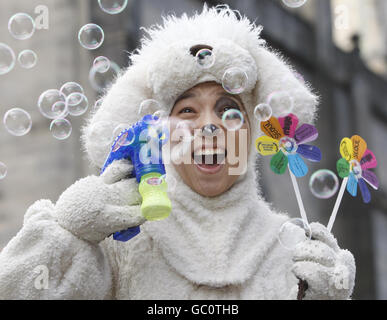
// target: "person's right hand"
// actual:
[[97, 206]]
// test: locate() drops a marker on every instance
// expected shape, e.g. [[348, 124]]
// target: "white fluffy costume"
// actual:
[[224, 247]]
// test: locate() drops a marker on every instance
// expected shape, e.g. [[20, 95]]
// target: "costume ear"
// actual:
[[120, 106], [275, 75]]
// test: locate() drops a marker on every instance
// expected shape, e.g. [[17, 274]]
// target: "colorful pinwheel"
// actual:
[[354, 164], [287, 144]]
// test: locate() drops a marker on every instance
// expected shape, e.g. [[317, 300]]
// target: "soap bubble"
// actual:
[[60, 129], [118, 129], [7, 59], [263, 112], [59, 107], [149, 106], [323, 184], [171, 182], [71, 87], [125, 139], [113, 6], [102, 64], [17, 122], [27, 59], [47, 104], [100, 81], [91, 36], [3, 170], [97, 104], [233, 119], [293, 232], [234, 80], [21, 26], [294, 3], [281, 102], [205, 58], [77, 104]]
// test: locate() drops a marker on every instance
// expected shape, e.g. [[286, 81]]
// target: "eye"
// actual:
[[186, 110]]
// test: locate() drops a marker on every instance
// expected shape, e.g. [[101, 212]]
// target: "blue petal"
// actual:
[[297, 165], [312, 153], [352, 185], [365, 193]]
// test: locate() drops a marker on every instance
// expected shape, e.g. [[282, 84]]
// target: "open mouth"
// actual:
[[209, 160]]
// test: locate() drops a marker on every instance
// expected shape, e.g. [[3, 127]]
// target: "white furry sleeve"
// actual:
[[45, 261]]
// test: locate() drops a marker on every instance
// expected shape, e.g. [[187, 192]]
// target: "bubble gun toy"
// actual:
[[138, 143]]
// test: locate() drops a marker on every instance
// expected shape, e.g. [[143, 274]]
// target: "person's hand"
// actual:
[[328, 270], [97, 206]]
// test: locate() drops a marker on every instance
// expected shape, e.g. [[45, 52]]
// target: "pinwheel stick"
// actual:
[[298, 196], [337, 204]]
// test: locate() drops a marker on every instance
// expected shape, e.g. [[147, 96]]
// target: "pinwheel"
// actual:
[[288, 144], [353, 168]]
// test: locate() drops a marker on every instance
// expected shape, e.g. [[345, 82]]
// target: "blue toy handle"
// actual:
[[127, 234]]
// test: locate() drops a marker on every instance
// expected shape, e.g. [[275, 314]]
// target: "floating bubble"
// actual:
[[294, 3], [71, 87], [293, 232], [7, 59], [27, 59], [77, 104], [60, 129], [101, 64], [171, 182], [123, 138], [3, 170], [149, 106], [21, 26], [234, 80], [47, 104], [281, 102], [97, 104], [17, 121], [263, 112], [233, 119], [100, 81], [323, 184], [113, 6], [205, 58], [118, 130], [59, 107], [91, 36]]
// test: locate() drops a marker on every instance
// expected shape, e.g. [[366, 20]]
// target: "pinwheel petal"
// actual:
[[272, 128], [312, 153], [306, 133], [346, 149], [343, 167], [370, 178], [279, 163], [359, 146], [352, 185], [297, 165], [289, 124], [365, 193], [266, 146], [368, 161]]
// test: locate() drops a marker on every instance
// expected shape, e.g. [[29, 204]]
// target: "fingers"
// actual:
[[315, 251], [117, 171], [122, 217], [124, 192], [321, 233]]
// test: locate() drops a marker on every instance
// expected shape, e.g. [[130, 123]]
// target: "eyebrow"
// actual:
[[185, 95], [229, 95]]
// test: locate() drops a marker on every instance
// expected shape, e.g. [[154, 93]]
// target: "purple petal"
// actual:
[[312, 153], [365, 193], [370, 178], [306, 133]]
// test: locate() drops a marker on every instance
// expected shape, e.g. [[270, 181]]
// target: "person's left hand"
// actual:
[[328, 270]]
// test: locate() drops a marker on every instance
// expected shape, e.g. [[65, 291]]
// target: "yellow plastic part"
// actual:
[[346, 149], [155, 202]]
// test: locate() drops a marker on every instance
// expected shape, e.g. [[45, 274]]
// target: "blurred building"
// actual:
[[342, 60]]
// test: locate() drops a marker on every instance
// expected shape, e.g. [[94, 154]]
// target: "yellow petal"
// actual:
[[266, 146], [346, 149]]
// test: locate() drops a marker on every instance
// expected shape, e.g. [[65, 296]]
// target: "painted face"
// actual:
[[210, 131]]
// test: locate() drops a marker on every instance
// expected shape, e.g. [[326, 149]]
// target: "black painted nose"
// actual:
[[209, 129]]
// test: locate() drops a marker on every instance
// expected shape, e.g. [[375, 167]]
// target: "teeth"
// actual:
[[209, 152]]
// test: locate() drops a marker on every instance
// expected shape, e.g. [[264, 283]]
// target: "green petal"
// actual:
[[342, 166], [279, 163]]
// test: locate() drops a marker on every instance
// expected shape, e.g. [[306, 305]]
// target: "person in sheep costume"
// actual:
[[223, 246]]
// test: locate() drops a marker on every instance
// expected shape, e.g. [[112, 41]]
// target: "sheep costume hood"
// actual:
[[209, 241]]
